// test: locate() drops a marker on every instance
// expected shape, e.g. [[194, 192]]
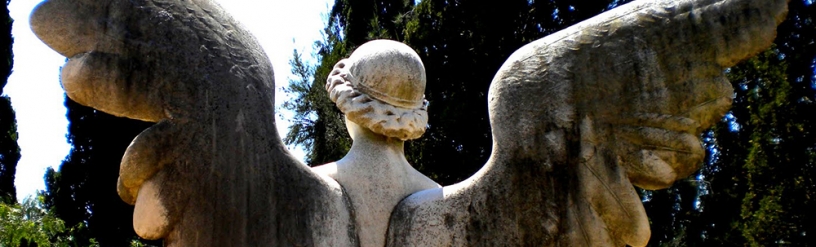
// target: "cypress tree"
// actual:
[[9, 150]]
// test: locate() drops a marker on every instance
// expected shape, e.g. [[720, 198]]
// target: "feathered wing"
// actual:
[[212, 171], [582, 115]]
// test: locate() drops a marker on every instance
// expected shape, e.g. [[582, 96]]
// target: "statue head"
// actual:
[[381, 87]]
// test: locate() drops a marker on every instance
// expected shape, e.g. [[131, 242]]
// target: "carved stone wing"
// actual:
[[213, 171], [582, 115]]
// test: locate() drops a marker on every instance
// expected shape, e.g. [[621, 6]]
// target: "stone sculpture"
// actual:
[[380, 89], [578, 118]]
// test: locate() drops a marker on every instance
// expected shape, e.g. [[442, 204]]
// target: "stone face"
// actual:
[[579, 118]]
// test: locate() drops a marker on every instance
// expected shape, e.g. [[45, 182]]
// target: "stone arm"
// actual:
[[582, 115], [212, 171]]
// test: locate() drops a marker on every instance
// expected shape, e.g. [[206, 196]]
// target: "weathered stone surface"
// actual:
[[381, 86], [582, 115], [579, 118], [213, 171], [376, 176], [388, 71]]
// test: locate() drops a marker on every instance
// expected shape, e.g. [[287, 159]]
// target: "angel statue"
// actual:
[[380, 90], [578, 119]]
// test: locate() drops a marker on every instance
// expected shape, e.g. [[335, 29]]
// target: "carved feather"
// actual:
[[624, 99]]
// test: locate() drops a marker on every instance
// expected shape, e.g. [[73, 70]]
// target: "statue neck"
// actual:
[[375, 146], [376, 176]]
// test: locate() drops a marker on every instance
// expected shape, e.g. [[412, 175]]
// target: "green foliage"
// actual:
[[756, 187], [317, 125], [9, 150], [6, 41], [462, 44], [754, 190], [325, 139], [766, 103], [29, 224], [359, 21]]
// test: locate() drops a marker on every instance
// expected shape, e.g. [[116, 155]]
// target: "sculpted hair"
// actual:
[[379, 117]]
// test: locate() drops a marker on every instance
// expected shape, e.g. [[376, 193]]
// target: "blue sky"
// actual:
[[37, 97]]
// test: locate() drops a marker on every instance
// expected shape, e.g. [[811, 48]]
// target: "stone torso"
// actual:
[[376, 177]]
